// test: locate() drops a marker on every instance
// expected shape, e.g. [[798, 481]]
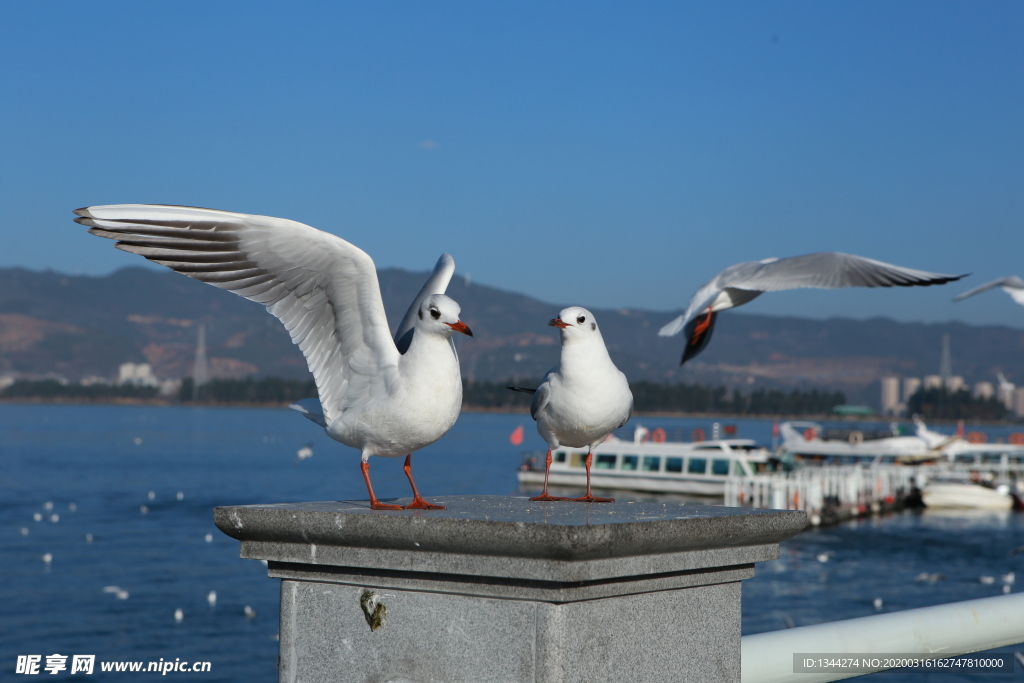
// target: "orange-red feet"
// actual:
[[420, 504], [544, 497], [417, 500], [374, 503], [588, 497], [591, 499]]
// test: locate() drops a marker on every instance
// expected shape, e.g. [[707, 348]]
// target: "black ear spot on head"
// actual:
[[421, 314], [593, 326]]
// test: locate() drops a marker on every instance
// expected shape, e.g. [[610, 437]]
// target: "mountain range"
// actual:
[[83, 326]]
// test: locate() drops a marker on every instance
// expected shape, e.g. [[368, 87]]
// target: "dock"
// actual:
[[830, 494]]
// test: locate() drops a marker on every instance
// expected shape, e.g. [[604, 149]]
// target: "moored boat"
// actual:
[[965, 495], [696, 467]]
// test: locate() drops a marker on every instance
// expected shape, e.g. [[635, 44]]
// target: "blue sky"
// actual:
[[605, 154]]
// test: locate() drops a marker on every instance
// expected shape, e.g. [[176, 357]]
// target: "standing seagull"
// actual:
[[1012, 285], [383, 397], [744, 282], [582, 400]]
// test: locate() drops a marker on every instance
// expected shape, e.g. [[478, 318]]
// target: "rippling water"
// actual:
[[94, 467]]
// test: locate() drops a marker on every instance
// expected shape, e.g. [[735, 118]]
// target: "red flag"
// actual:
[[516, 437]]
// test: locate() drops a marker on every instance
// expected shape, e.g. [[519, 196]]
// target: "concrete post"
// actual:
[[502, 589]]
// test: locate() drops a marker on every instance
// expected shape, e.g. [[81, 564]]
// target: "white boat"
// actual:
[[810, 443], [964, 495], [698, 467]]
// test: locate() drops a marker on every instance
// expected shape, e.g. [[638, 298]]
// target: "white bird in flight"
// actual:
[[385, 397], [583, 399], [744, 282], [1012, 285], [304, 452]]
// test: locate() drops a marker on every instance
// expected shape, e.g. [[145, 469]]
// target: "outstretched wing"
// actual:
[[828, 270], [1009, 283], [822, 270], [322, 288], [437, 283]]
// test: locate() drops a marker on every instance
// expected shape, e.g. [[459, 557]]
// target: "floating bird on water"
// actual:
[[211, 598], [304, 452], [118, 592], [583, 399], [743, 282], [1012, 285], [385, 397]]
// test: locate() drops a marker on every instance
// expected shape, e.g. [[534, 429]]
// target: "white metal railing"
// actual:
[[933, 632], [812, 489]]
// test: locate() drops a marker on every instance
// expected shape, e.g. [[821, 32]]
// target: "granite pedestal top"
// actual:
[[501, 536]]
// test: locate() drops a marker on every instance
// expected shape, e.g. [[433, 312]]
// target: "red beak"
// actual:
[[557, 322], [460, 327]]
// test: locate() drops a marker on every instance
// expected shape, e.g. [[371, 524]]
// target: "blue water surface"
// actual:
[[91, 470]]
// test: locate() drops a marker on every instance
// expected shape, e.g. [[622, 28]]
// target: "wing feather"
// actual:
[[828, 270], [322, 288], [437, 283], [1011, 282]]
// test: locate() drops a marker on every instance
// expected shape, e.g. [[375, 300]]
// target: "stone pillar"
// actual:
[[501, 589]]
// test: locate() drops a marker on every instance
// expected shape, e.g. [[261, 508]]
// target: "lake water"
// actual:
[[92, 469]]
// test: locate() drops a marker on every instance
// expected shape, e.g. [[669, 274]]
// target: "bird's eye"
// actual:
[[582, 319], [434, 313]]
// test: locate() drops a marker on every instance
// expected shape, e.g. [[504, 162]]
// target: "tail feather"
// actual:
[[523, 390], [311, 410]]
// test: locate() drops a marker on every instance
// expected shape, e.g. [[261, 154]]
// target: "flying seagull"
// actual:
[[1012, 285], [385, 397], [744, 282], [582, 400]]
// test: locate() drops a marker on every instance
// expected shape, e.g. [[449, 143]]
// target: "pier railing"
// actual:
[[832, 492], [844, 490], [942, 631]]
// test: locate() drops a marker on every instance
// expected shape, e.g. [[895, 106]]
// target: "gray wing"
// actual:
[[540, 399], [437, 283], [822, 270], [322, 288], [826, 270], [1011, 282]]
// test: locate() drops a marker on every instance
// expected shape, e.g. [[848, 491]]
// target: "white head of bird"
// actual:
[[439, 314], [577, 325]]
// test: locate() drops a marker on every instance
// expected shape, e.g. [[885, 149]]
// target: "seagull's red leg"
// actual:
[[590, 498], [374, 503], [417, 501], [547, 471]]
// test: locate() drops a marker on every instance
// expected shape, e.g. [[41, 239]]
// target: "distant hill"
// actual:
[[75, 327]]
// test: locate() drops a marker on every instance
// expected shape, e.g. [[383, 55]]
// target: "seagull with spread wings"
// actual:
[[741, 283], [1012, 285], [384, 396]]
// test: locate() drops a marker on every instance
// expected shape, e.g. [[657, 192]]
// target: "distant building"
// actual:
[[891, 396], [1018, 402], [910, 387], [933, 382], [954, 384], [1006, 392], [984, 390], [6, 381], [94, 380], [138, 374]]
